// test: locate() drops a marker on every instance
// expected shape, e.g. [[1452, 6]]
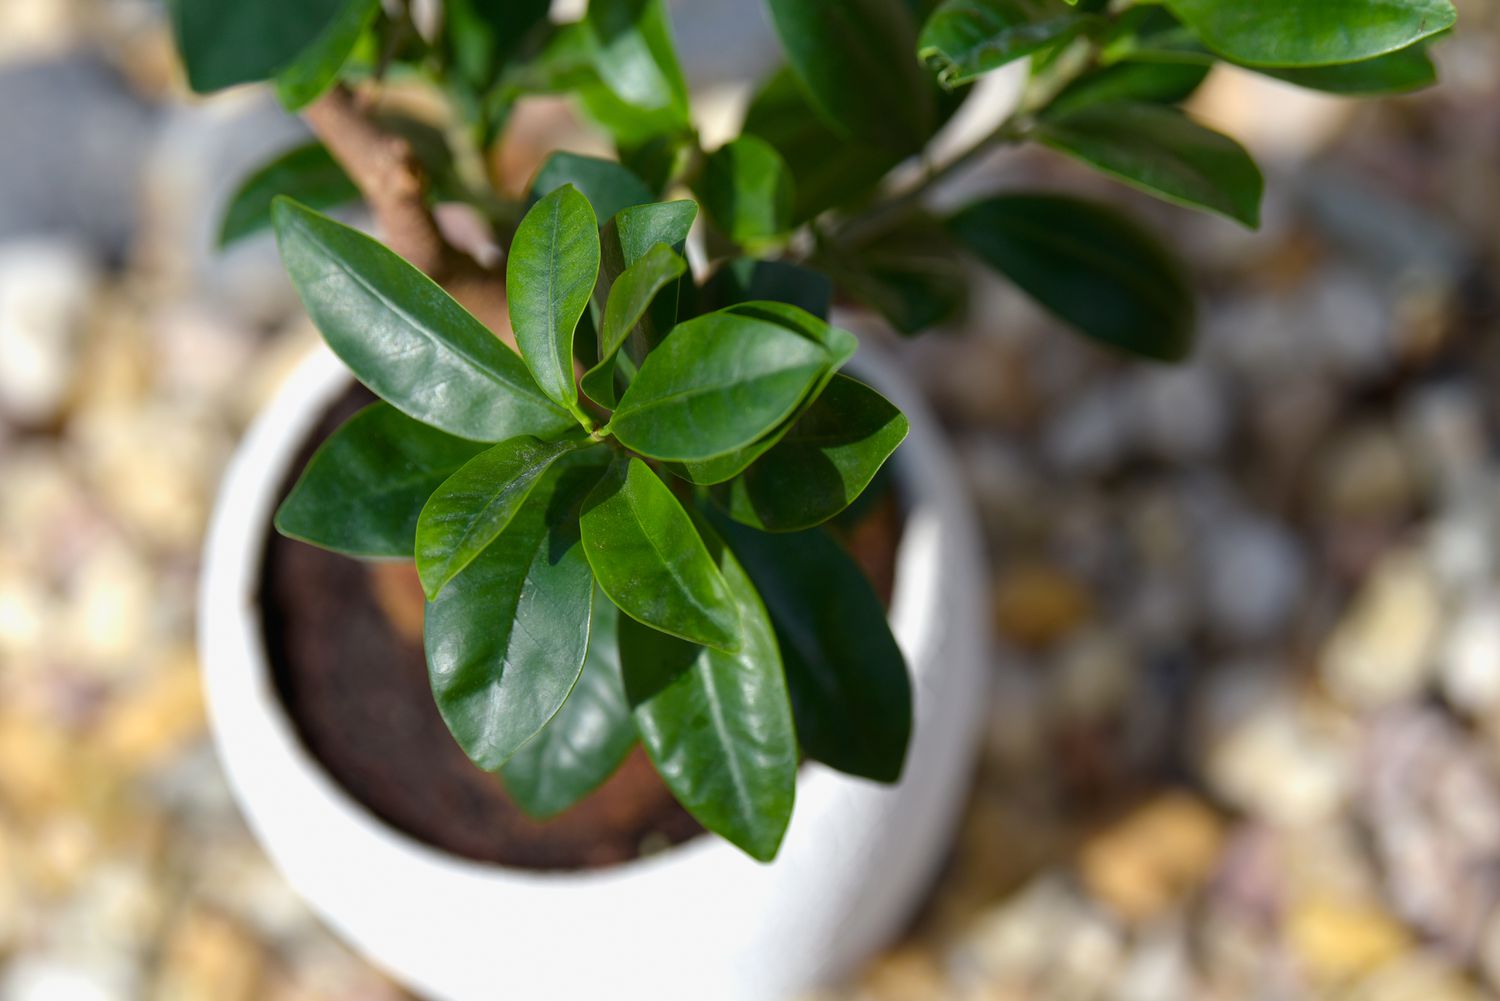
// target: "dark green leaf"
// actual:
[[648, 557], [854, 59], [1397, 73], [483, 34], [364, 487], [716, 384], [223, 44], [405, 337], [315, 70], [744, 279], [554, 262], [607, 185], [1302, 33], [828, 170], [1157, 82], [308, 173], [474, 505], [910, 272], [1088, 264], [851, 695], [630, 296], [506, 639], [747, 189], [966, 39], [1161, 151], [719, 726], [627, 238], [824, 461], [588, 738]]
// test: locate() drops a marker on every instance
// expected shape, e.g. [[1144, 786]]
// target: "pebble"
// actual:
[[1384, 649], [46, 285], [1037, 604], [1147, 862], [1470, 658], [1253, 572]]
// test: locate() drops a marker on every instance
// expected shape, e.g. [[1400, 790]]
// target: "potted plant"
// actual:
[[654, 523]]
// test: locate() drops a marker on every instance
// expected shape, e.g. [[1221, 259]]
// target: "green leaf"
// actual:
[[470, 509], [715, 384], [1160, 83], [506, 640], [828, 170], [630, 297], [482, 35], [719, 726], [631, 50], [315, 70], [1089, 265], [651, 562], [747, 189], [911, 272], [608, 186], [361, 492], [854, 60], [966, 39], [824, 461], [626, 239], [638, 228], [1397, 73], [1163, 152], [851, 694], [1299, 33], [745, 279], [840, 345], [308, 173], [405, 337], [554, 262], [225, 44], [589, 737]]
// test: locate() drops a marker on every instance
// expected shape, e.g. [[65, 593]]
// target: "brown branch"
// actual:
[[386, 170]]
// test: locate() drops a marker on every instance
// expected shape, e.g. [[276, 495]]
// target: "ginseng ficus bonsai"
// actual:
[[621, 528]]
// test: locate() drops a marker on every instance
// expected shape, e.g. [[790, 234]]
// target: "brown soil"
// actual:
[[344, 642]]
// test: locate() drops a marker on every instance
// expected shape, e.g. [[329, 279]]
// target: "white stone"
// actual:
[[1253, 574], [1384, 649], [1470, 659], [45, 292]]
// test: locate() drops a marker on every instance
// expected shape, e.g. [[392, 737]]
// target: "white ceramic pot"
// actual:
[[698, 921]]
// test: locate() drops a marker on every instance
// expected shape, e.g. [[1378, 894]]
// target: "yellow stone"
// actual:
[[1147, 862], [209, 956], [1036, 605], [148, 725], [1338, 941]]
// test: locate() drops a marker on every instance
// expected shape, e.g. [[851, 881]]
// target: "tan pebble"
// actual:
[[1384, 650], [1147, 862], [148, 725], [209, 956], [908, 974], [1337, 941], [1036, 605]]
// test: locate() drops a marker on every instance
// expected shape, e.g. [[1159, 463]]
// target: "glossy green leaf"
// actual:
[[1161, 151], [361, 492], [318, 66], [745, 279], [966, 39], [630, 296], [470, 509], [719, 726], [1299, 33], [822, 463], [715, 384], [840, 345], [589, 737], [223, 44], [626, 239], [405, 337], [1157, 82], [307, 173], [747, 189], [1397, 73], [851, 694], [649, 559], [828, 170], [910, 272], [638, 228], [608, 186], [631, 49], [854, 60], [554, 262], [506, 640], [1089, 265]]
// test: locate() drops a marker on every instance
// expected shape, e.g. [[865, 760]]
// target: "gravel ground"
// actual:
[[1245, 741]]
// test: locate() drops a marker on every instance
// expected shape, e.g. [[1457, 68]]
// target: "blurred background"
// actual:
[[1245, 740]]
